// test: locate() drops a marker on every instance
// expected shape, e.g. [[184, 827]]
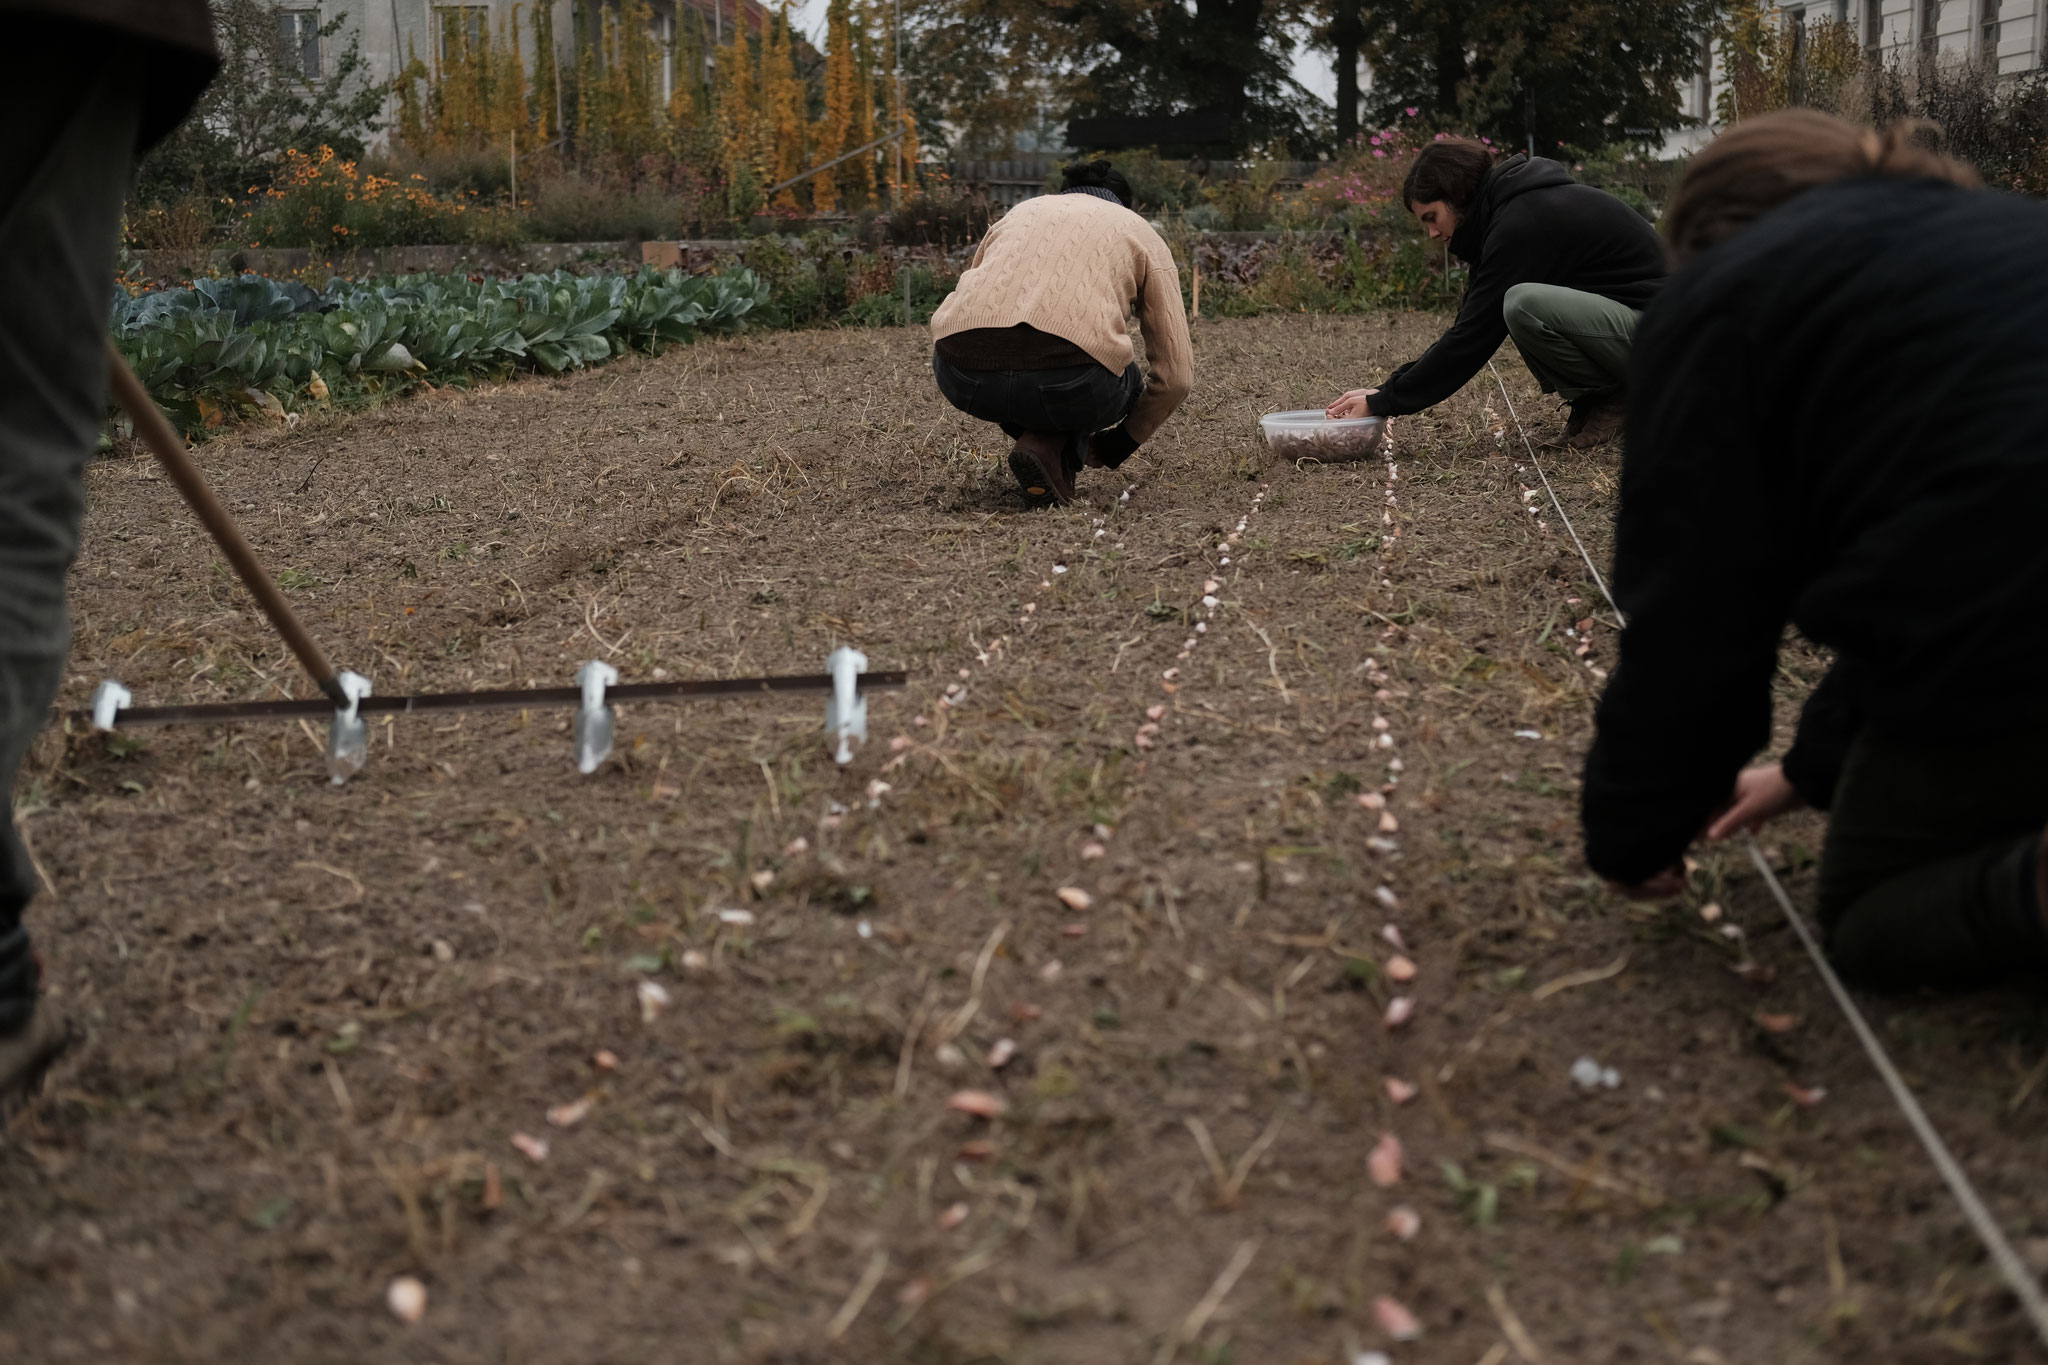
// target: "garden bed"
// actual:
[[319, 1016]]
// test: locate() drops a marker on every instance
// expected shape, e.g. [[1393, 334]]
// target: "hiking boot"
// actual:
[[1595, 422], [25, 1055], [1040, 463]]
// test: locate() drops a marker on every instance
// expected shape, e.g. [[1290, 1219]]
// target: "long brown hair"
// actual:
[[1450, 170], [1761, 162]]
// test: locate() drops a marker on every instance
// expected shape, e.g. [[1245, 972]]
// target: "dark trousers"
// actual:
[[1927, 875], [1078, 399], [71, 111]]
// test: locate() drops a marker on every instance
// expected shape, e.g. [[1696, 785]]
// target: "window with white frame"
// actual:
[[1930, 25], [298, 41], [1873, 27], [1987, 22]]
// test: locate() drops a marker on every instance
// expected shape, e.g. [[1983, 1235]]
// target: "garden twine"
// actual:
[[2009, 1264]]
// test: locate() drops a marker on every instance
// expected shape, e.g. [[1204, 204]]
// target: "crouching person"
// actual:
[[1563, 268], [1763, 485], [1034, 338]]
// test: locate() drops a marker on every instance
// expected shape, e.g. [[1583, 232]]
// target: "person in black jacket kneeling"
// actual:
[[1563, 268], [1837, 422]]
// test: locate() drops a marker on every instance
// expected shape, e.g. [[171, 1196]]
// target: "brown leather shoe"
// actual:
[[1039, 462], [1595, 422], [25, 1055]]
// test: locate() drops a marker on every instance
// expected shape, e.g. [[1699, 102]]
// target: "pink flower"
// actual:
[[1439, 137], [1375, 139], [1377, 152], [1411, 111]]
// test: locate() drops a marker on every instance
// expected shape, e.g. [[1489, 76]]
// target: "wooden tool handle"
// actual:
[[169, 448]]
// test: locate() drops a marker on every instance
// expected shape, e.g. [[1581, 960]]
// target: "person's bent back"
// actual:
[[1034, 338], [1837, 422]]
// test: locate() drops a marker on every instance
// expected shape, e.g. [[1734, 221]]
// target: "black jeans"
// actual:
[[72, 111], [1078, 399], [1927, 874]]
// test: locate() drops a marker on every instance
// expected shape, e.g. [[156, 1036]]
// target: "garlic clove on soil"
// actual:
[[1394, 1319], [980, 1103], [407, 1299], [1384, 1162], [570, 1114]]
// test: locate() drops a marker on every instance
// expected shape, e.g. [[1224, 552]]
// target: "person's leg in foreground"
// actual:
[[1577, 345], [72, 115], [1049, 414], [1931, 872]]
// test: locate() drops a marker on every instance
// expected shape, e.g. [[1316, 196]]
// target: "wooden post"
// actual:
[[515, 167], [1194, 254]]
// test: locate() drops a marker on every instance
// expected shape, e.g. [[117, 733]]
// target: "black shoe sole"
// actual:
[[1031, 479]]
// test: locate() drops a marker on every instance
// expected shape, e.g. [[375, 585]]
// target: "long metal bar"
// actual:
[[169, 448], [216, 712], [828, 165]]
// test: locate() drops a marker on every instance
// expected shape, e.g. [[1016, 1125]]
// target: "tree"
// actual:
[[1180, 56], [1345, 32], [999, 69], [1577, 72], [261, 104], [546, 92], [848, 185], [782, 106]]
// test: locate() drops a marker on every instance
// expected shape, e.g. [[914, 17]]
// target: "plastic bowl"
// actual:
[[1308, 435]]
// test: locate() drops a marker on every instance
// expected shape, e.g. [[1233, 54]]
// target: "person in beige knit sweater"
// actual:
[[1035, 338]]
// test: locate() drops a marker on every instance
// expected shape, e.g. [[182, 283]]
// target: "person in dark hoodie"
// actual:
[[1837, 422], [1563, 268], [95, 83]]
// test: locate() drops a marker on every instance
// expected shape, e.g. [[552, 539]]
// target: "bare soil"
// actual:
[[318, 1016]]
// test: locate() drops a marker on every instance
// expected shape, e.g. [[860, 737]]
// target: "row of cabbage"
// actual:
[[225, 345]]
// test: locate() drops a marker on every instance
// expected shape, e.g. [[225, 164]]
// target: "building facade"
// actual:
[[2008, 33]]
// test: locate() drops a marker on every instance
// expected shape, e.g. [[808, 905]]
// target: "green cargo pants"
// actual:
[[1927, 874], [1575, 343]]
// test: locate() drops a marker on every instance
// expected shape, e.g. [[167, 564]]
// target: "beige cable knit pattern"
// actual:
[[1075, 265]]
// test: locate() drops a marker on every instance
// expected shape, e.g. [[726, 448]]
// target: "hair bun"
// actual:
[[1096, 175]]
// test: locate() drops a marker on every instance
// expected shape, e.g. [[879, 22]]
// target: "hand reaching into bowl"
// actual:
[[1352, 404]]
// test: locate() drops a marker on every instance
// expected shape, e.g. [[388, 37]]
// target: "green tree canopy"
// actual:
[[1577, 72], [990, 69]]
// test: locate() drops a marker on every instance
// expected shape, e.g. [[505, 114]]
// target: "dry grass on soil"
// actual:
[[320, 1016]]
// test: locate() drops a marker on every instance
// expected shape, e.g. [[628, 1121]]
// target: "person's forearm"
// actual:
[[1153, 407]]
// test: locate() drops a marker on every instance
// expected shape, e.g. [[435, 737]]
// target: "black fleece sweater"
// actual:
[[1531, 224], [1839, 419]]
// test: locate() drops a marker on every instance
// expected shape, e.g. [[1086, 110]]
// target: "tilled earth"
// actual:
[[1127, 861]]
